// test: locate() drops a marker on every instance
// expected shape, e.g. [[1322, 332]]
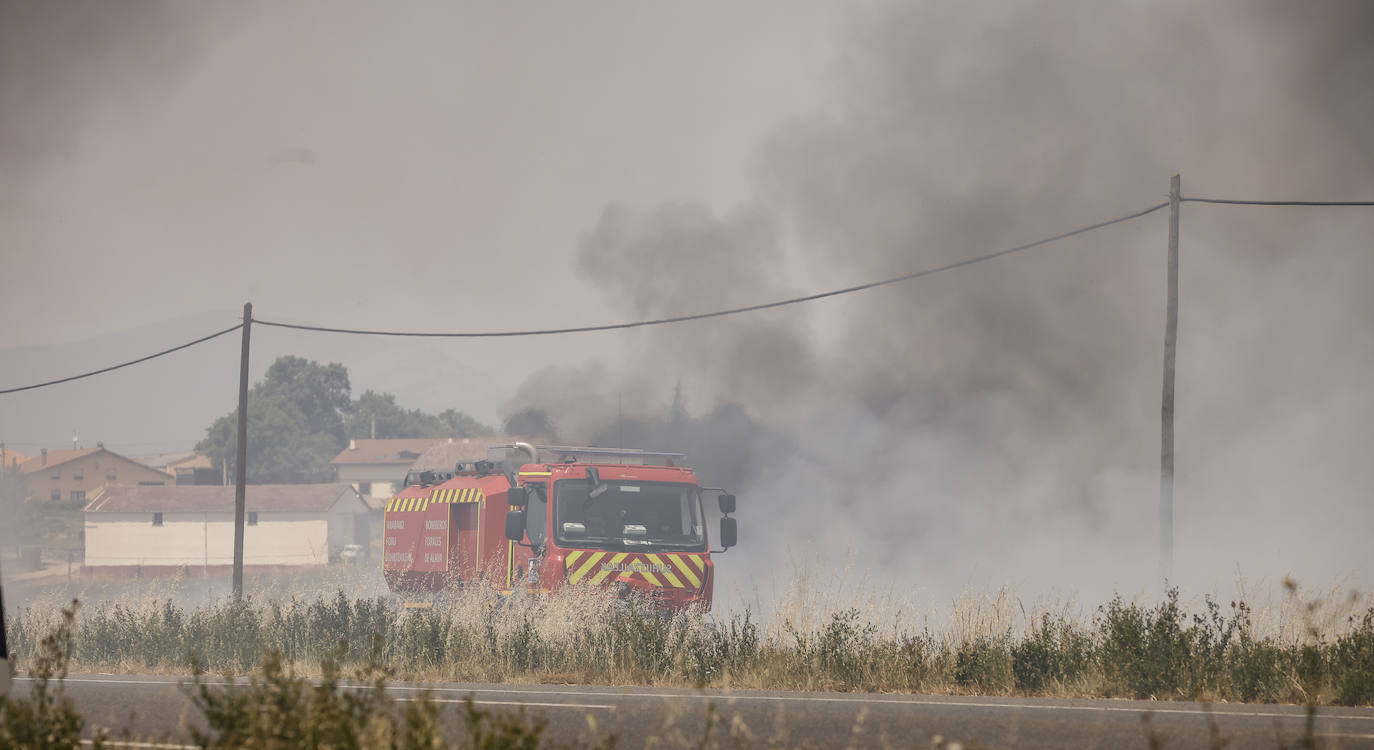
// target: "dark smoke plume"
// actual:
[[999, 424]]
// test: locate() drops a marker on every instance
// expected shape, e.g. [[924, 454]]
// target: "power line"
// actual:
[[614, 326], [731, 311], [698, 316], [111, 368], [1226, 201]]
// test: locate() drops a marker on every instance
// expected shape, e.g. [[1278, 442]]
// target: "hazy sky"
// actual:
[[413, 166]]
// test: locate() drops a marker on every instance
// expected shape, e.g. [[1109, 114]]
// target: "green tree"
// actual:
[[295, 424], [320, 392], [459, 424], [392, 421]]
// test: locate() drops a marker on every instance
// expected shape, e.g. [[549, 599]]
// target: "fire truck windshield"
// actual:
[[628, 515]]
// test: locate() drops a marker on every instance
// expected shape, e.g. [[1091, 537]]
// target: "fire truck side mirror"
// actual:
[[729, 533], [517, 497], [515, 525], [727, 504]]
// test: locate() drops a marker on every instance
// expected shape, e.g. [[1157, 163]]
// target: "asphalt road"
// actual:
[[156, 711]]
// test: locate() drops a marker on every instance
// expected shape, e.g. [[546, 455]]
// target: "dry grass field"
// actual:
[[1303, 647]]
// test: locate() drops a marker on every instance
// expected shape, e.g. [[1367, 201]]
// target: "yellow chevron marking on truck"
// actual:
[[686, 568], [666, 572], [576, 574], [650, 577], [408, 504], [609, 567], [662, 570]]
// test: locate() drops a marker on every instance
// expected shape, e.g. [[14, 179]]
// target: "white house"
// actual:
[[376, 468], [140, 529]]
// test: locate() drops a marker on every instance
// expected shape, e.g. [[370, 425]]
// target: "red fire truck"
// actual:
[[561, 516]]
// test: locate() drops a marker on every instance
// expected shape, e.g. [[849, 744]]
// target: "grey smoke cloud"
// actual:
[[999, 424]]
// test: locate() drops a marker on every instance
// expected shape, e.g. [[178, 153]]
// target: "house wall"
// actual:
[[197, 539], [385, 478], [88, 474], [341, 526]]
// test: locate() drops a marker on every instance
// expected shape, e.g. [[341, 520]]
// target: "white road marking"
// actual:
[[898, 702], [598, 706], [149, 745], [730, 698]]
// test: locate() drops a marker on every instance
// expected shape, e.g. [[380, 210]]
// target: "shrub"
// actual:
[[279, 709], [1352, 662], [1053, 652], [985, 664], [1144, 652], [47, 720]]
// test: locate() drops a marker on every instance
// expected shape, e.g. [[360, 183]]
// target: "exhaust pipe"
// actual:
[[530, 450]]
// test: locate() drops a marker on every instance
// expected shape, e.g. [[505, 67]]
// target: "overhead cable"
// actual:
[[697, 316], [731, 311], [1226, 201], [111, 368]]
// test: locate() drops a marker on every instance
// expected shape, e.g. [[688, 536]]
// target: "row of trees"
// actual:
[[302, 414]]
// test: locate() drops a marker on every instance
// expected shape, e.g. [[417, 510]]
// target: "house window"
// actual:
[[78, 496], [56, 494], [157, 518], [151, 484], [110, 475], [79, 474], [252, 518], [57, 475], [365, 488]]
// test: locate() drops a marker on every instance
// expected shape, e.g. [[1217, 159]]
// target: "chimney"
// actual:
[[352, 444], [45, 457], [100, 443]]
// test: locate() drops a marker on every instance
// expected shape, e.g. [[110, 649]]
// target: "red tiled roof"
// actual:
[[218, 498], [55, 458], [384, 451], [443, 456]]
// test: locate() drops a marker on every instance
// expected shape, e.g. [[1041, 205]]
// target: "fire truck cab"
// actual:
[[567, 516]]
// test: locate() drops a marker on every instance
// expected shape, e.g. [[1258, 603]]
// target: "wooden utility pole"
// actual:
[[241, 455], [4, 648], [1166, 454]]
